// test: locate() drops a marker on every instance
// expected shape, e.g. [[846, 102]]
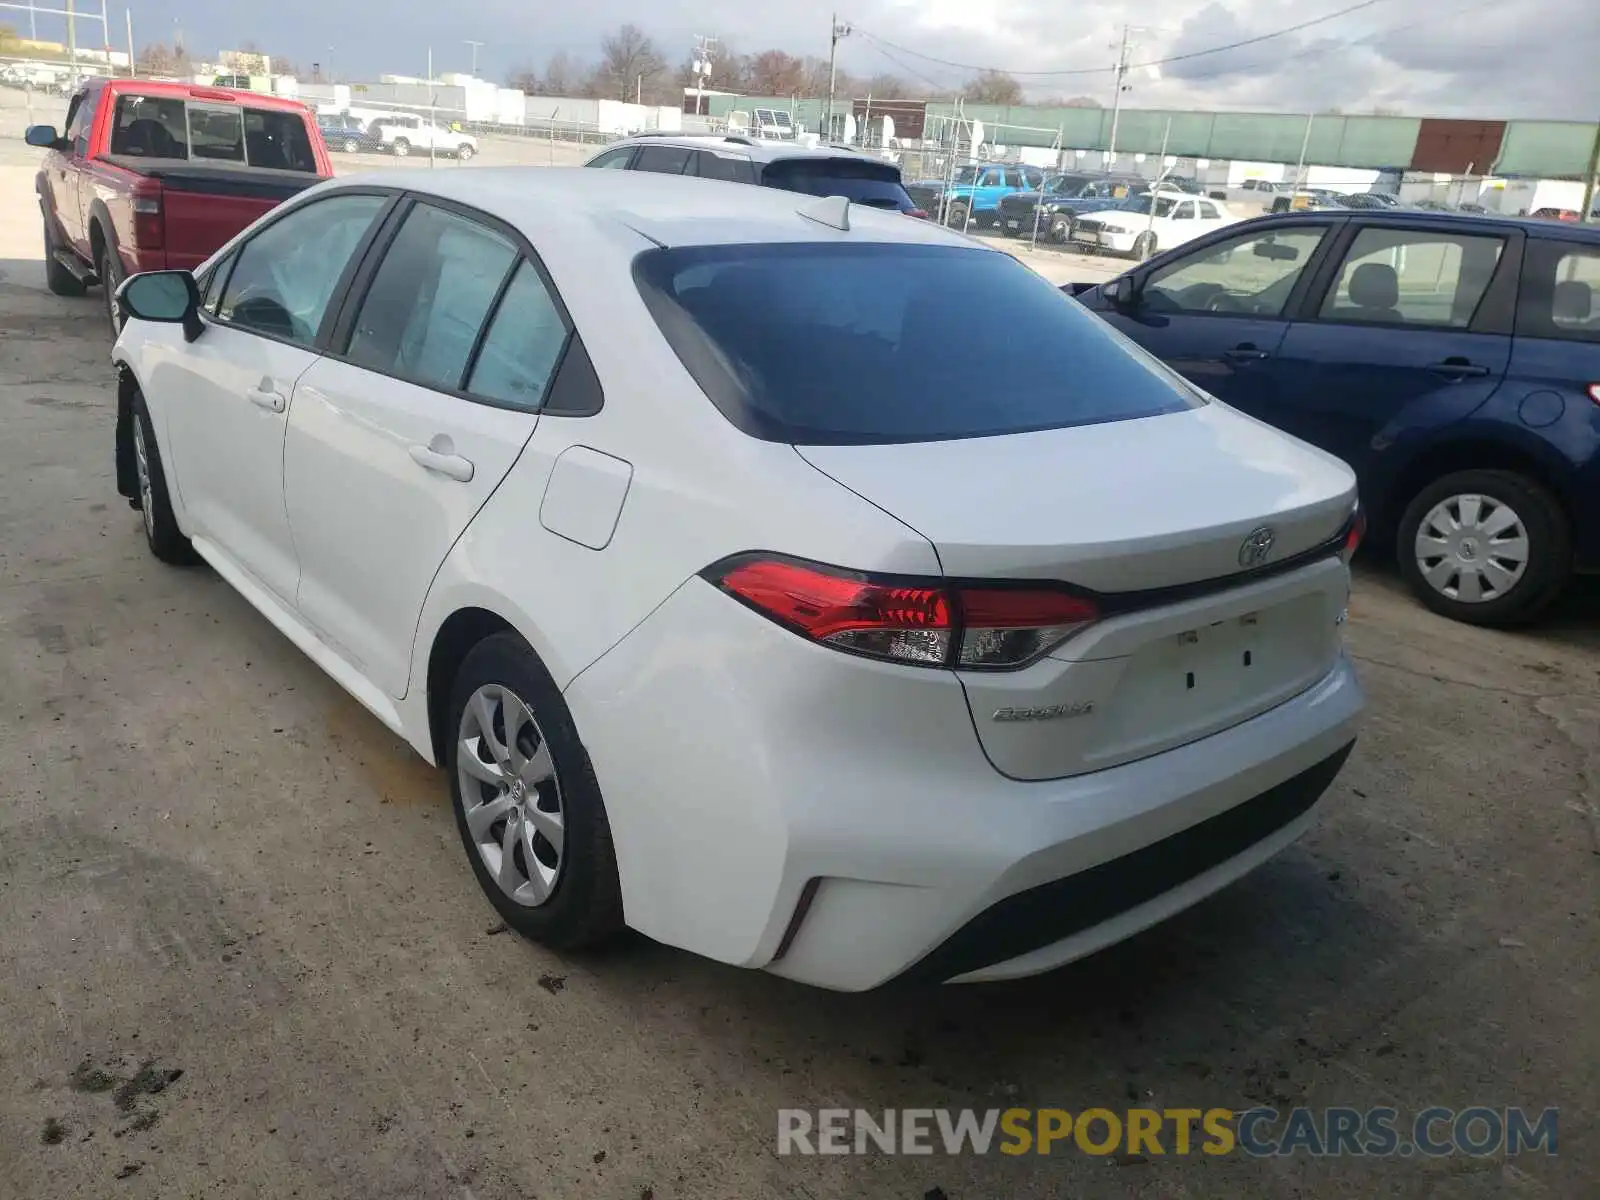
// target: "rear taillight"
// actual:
[[1353, 533], [148, 233], [928, 623], [1594, 392], [916, 212]]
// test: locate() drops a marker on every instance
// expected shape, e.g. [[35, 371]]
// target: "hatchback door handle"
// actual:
[[268, 399], [1245, 353], [457, 468], [1458, 368]]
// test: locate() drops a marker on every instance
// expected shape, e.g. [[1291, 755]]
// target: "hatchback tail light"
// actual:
[[1594, 392], [148, 231], [928, 623]]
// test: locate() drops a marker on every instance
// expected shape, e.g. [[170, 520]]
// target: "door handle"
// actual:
[[1245, 353], [1458, 368], [442, 463], [268, 399]]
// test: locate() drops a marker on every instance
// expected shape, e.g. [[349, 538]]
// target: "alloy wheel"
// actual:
[[141, 464], [511, 795], [1472, 548]]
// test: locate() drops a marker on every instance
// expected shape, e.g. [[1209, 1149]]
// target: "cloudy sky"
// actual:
[[1528, 58]]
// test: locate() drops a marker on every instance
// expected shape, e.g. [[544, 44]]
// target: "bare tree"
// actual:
[[1083, 102], [888, 87], [158, 58], [629, 64], [282, 66], [562, 76], [993, 87], [524, 79], [775, 73]]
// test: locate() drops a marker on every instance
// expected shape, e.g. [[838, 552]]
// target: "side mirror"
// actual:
[[44, 136], [1121, 292], [165, 297]]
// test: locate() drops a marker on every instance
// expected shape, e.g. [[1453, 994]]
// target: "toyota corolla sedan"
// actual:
[[683, 525]]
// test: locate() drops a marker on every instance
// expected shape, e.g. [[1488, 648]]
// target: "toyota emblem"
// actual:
[[1256, 546]]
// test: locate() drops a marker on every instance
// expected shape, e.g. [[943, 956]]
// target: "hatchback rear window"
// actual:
[[821, 344], [875, 184]]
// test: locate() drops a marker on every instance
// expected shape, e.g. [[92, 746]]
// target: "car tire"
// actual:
[[161, 532], [57, 278], [400, 147], [1144, 246], [351, 146], [1061, 230], [111, 277], [464, 152], [1447, 529], [956, 215], [569, 897]]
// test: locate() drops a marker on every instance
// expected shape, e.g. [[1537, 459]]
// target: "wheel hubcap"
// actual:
[[511, 795], [1472, 548], [141, 462]]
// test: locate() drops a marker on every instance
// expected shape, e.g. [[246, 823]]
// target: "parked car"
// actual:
[[1150, 222], [787, 166], [1307, 200], [858, 704], [1059, 201], [151, 175], [1377, 200], [402, 134], [342, 131], [1452, 360], [972, 196]]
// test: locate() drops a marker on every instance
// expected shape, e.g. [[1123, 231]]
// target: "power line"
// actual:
[[1158, 62]]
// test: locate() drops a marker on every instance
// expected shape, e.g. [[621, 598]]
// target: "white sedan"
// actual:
[[736, 601], [1133, 228]]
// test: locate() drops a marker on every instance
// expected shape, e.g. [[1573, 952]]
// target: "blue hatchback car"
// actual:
[[1453, 361]]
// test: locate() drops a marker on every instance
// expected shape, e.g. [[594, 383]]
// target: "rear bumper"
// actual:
[[775, 804]]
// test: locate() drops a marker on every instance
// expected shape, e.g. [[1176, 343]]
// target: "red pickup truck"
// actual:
[[151, 176]]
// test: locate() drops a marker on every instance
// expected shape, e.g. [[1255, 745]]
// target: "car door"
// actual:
[[63, 169], [1218, 313], [433, 382], [227, 399], [80, 192], [1408, 328]]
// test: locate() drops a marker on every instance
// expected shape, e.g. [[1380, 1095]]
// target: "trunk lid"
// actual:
[[1161, 517]]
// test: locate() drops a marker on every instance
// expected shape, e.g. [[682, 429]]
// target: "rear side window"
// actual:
[[1560, 292], [817, 343], [860, 181], [523, 345], [1413, 277], [663, 160], [721, 166]]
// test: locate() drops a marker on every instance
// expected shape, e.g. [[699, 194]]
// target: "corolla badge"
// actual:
[[1256, 546]]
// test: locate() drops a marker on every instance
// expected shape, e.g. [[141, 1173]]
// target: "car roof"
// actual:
[[1431, 218], [760, 151], [669, 210], [199, 91]]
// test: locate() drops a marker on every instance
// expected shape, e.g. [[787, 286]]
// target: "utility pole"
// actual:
[[72, 41], [1116, 98], [835, 32], [705, 49], [1588, 178], [474, 70], [133, 66]]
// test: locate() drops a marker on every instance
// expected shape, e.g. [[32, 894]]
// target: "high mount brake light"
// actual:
[[927, 623]]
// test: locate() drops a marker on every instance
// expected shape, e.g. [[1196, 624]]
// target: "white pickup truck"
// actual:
[[401, 134]]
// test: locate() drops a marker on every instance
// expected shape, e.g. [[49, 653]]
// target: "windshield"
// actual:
[[821, 343], [1066, 185], [1141, 204]]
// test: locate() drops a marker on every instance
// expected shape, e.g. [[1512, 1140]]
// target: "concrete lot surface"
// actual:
[[244, 955]]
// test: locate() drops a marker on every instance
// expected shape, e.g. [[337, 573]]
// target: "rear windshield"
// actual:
[[168, 127], [870, 183], [824, 344]]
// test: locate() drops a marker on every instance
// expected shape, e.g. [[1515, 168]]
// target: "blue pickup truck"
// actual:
[[974, 192], [1452, 360]]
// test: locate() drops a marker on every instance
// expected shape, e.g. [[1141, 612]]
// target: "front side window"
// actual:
[[429, 298], [285, 275], [747, 322], [1252, 274], [1413, 277], [80, 121], [727, 167], [615, 160], [523, 345]]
